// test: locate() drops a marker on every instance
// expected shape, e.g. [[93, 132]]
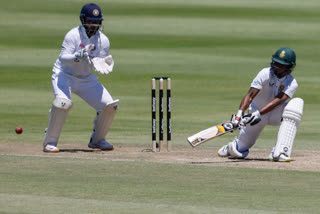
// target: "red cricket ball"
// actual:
[[19, 130]]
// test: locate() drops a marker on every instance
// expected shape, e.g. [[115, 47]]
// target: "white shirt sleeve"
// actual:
[[261, 79], [68, 49], [291, 88]]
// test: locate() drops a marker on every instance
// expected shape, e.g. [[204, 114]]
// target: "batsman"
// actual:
[[84, 48], [268, 103]]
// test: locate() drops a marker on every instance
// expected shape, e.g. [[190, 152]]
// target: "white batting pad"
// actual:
[[104, 120], [291, 118], [57, 117]]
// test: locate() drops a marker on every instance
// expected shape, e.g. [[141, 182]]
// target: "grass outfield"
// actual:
[[100, 186], [211, 50]]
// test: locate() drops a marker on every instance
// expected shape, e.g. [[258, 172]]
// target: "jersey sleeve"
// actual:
[[68, 49], [260, 80], [291, 88]]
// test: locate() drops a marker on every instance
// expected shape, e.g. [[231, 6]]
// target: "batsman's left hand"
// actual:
[[236, 118], [251, 119]]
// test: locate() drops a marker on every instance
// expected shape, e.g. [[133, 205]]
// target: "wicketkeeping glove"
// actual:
[[83, 54], [251, 119], [103, 65], [110, 63]]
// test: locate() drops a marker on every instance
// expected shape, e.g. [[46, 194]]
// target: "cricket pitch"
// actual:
[[301, 160]]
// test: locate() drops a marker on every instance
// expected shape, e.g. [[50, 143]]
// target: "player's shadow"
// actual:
[[256, 159], [79, 150], [248, 159], [232, 161]]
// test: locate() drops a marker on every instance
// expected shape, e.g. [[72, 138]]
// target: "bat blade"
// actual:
[[210, 133]]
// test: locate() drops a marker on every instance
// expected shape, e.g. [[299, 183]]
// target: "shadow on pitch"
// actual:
[[79, 150], [248, 160], [233, 161]]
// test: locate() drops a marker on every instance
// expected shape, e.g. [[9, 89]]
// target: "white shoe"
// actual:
[[271, 155], [224, 151], [281, 158], [102, 144], [51, 148], [284, 158]]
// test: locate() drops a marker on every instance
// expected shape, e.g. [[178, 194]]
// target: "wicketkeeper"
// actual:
[[267, 104], [84, 47]]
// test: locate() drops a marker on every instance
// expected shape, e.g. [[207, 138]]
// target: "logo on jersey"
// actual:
[[281, 87], [81, 45], [95, 12], [255, 82], [282, 54]]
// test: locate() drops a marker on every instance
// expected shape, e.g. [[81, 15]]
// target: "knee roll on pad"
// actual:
[[291, 118], [62, 103], [294, 110]]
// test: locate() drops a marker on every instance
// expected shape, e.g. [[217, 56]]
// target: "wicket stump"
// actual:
[[153, 115]]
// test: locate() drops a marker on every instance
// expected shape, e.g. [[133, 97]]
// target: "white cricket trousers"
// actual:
[[248, 135], [88, 88]]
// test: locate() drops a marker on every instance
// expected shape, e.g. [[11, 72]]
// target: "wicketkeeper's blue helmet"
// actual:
[[91, 12], [91, 18]]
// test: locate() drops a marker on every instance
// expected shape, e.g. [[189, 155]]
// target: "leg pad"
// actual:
[[58, 114], [103, 121], [291, 118]]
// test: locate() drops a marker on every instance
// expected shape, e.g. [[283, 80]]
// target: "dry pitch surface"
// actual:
[[302, 160]]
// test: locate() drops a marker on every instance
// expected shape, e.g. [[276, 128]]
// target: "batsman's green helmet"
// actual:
[[285, 56]]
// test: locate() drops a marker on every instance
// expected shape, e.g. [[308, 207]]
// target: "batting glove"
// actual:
[[236, 118], [251, 119]]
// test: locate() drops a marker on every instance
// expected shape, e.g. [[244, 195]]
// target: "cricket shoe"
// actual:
[[51, 148], [102, 144], [224, 151], [281, 158]]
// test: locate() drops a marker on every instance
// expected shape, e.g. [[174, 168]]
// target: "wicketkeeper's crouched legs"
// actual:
[[291, 118], [58, 114], [102, 123]]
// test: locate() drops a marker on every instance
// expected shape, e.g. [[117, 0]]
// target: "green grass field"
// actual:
[[212, 49]]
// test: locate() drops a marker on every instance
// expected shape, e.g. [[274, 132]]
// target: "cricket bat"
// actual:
[[210, 133]]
